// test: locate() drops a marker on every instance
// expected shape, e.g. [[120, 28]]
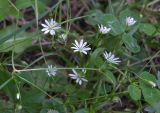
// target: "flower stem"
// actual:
[[38, 69]]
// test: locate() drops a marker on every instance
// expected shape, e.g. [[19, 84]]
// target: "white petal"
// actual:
[[72, 75], [52, 22], [47, 31], [47, 22], [75, 50], [58, 27], [84, 52], [74, 71], [81, 43], [76, 43], [44, 25], [84, 80], [52, 32], [84, 44], [80, 82], [44, 29], [86, 49], [77, 81], [74, 47]]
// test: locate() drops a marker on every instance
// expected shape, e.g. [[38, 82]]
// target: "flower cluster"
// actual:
[[81, 46]]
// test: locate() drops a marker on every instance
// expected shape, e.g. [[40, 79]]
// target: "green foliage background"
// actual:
[[110, 88]]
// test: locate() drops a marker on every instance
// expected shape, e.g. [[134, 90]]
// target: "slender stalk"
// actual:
[[117, 69], [70, 68]]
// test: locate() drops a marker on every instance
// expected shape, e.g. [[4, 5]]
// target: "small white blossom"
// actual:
[[77, 77], [81, 47], [130, 21], [19, 107], [52, 111], [84, 70], [63, 36], [51, 71], [103, 29], [18, 96], [50, 26], [111, 58], [152, 84]]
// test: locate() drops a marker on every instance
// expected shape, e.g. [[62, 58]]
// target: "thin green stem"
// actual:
[[5, 83], [70, 68], [117, 69], [73, 19]]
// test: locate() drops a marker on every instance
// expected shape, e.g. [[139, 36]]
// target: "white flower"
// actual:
[[77, 77], [152, 84], [81, 47], [18, 96], [50, 26], [63, 36], [51, 71], [103, 29], [19, 107], [111, 58], [130, 21], [52, 111]]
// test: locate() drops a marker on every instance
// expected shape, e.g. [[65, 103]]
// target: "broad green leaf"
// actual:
[[130, 43], [7, 10], [95, 17], [95, 59], [20, 44], [9, 88], [111, 21], [21, 4], [151, 94], [134, 92], [113, 43], [147, 28], [32, 99], [110, 77]]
